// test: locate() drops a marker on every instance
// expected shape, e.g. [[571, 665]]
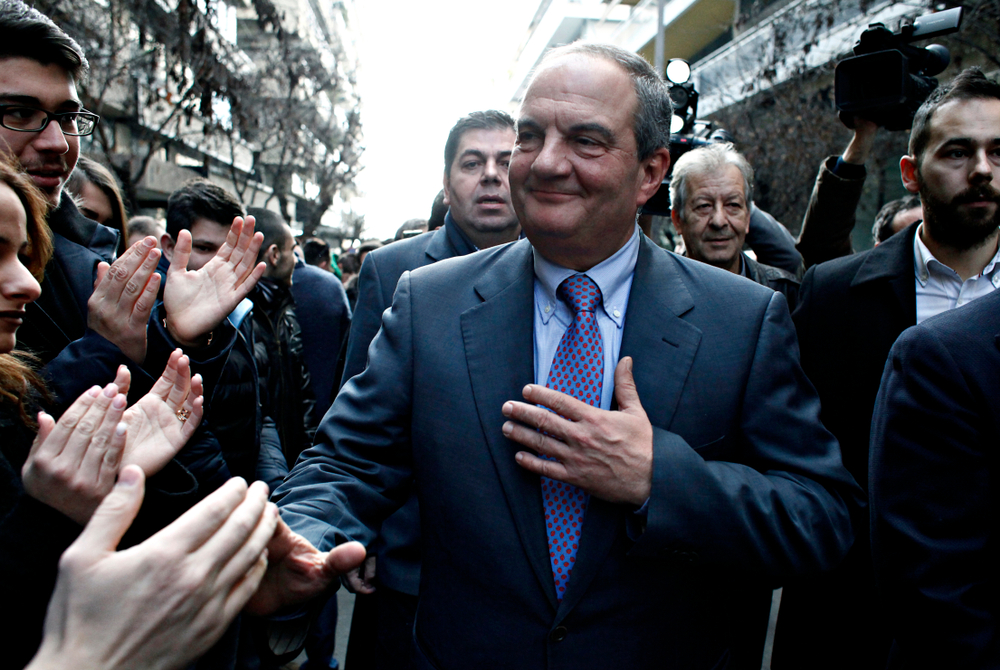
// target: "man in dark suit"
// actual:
[[852, 309], [720, 483], [933, 492], [480, 215]]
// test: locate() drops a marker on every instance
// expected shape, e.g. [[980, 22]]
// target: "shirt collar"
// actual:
[[611, 275], [924, 262]]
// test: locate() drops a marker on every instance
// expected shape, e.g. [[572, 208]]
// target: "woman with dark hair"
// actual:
[[54, 475], [97, 194]]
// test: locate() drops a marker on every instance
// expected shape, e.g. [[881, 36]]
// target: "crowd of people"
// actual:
[[522, 433]]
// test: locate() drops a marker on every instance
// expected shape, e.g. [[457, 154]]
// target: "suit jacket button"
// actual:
[[558, 634]]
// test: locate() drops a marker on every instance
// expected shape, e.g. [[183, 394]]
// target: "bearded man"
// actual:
[[851, 310]]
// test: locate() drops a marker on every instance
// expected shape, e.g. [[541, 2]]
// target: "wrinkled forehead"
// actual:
[[569, 76]]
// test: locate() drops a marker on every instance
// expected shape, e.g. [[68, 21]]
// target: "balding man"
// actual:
[[682, 471]]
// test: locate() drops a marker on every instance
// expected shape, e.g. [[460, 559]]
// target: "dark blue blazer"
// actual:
[[935, 499], [748, 488], [398, 543], [325, 317]]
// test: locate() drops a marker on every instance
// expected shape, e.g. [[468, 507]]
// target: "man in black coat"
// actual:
[[480, 215], [850, 313]]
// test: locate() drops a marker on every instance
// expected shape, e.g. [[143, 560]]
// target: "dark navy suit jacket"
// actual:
[[398, 543], [935, 502], [748, 488]]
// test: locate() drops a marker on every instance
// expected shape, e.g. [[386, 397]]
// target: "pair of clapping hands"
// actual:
[[164, 602], [195, 302]]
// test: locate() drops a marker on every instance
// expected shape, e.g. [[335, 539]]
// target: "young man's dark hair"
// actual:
[[491, 119], [438, 211], [882, 229], [200, 199], [271, 225], [970, 84], [316, 251], [27, 33]]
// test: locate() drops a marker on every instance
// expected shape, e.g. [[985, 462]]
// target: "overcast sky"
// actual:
[[424, 65]]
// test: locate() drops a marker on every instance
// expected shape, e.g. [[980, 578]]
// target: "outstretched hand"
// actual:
[[607, 454], [298, 572], [197, 301], [164, 419], [164, 602], [123, 298], [73, 462]]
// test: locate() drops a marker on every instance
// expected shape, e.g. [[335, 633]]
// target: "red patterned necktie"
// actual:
[[577, 370]]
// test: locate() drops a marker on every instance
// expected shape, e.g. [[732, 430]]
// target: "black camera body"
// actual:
[[888, 78]]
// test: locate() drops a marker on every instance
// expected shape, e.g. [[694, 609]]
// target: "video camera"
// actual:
[[686, 130], [888, 79]]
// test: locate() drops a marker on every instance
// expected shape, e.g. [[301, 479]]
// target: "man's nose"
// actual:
[[982, 166], [551, 160], [491, 172], [51, 139], [718, 217]]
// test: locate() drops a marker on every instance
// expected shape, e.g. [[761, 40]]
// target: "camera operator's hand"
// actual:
[[860, 148]]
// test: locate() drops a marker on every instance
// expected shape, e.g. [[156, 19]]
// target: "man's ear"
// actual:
[[167, 245], [908, 172], [447, 191], [654, 170], [272, 255], [676, 218]]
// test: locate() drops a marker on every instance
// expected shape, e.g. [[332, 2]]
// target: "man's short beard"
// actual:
[[949, 225]]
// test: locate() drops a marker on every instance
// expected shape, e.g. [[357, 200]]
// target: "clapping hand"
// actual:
[[162, 603], [164, 419], [73, 462], [197, 301], [123, 298]]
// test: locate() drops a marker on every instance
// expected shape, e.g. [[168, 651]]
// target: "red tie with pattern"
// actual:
[[577, 370]]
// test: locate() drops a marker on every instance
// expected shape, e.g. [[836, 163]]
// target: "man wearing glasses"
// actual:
[[92, 316]]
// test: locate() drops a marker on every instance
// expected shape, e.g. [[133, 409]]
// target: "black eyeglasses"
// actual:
[[31, 120]]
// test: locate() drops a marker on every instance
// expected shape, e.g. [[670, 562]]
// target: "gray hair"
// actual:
[[709, 158], [651, 120]]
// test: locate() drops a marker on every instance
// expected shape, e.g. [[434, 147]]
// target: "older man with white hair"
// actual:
[[711, 196]]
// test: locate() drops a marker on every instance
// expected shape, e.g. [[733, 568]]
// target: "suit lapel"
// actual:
[[892, 263], [662, 347], [499, 346], [439, 248]]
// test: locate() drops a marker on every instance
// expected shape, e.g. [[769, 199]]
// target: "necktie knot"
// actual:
[[580, 292]]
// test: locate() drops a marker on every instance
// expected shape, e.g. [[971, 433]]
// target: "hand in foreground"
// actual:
[[123, 298], [73, 462], [607, 454], [298, 572], [164, 602], [197, 301], [164, 419], [362, 578]]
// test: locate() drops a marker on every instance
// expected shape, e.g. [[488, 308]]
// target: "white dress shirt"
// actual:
[[939, 288]]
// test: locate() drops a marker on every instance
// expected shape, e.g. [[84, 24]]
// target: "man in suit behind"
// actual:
[[850, 312], [933, 490], [682, 510], [480, 215]]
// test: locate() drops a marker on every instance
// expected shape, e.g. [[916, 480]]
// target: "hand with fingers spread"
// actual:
[[164, 419], [160, 604], [123, 298], [607, 454], [73, 462], [298, 572], [197, 301]]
